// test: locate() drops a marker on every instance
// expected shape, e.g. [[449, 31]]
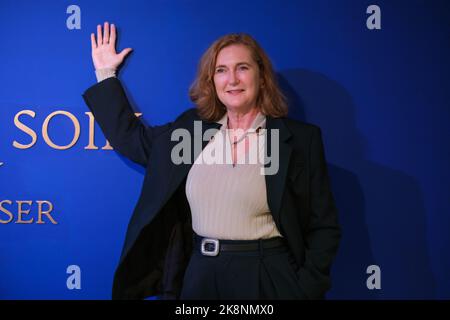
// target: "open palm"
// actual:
[[104, 53]]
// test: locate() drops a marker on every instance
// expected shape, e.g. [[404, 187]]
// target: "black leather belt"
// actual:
[[212, 247]]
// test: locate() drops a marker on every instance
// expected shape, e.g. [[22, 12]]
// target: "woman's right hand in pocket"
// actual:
[[104, 53]]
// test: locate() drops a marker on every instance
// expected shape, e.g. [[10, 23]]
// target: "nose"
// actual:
[[233, 79]]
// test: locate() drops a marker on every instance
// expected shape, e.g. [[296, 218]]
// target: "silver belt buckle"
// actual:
[[208, 242]]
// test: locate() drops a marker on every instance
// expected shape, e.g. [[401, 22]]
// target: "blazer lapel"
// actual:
[[275, 183], [179, 172]]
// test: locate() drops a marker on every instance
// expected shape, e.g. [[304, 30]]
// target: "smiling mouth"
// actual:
[[235, 92]]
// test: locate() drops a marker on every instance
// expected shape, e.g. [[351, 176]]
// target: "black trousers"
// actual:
[[242, 275]]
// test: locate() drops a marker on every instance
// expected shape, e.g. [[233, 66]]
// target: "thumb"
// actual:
[[125, 52]]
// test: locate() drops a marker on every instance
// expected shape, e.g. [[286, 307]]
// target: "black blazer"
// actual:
[[158, 242]]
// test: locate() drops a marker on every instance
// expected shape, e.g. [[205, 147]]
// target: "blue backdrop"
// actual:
[[380, 96]]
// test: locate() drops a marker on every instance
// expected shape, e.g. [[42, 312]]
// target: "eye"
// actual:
[[243, 68], [220, 70]]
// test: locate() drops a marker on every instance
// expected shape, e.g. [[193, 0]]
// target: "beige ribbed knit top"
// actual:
[[230, 201]]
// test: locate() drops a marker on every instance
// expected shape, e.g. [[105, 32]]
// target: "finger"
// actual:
[[124, 52], [99, 35], [112, 38], [93, 42], [106, 34]]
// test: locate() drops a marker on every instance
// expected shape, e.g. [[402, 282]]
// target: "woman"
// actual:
[[225, 226]]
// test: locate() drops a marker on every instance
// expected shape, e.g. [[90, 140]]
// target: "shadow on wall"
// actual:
[[381, 210]]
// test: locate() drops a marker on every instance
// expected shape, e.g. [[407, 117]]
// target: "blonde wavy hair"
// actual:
[[270, 101]]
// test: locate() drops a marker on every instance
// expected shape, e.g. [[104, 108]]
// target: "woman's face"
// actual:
[[236, 78]]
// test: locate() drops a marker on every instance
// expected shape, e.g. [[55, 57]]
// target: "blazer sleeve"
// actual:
[[127, 134], [324, 233]]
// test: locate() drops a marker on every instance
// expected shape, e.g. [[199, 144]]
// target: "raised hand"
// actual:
[[104, 53]]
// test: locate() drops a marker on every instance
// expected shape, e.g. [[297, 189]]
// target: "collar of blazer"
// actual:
[[274, 183]]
